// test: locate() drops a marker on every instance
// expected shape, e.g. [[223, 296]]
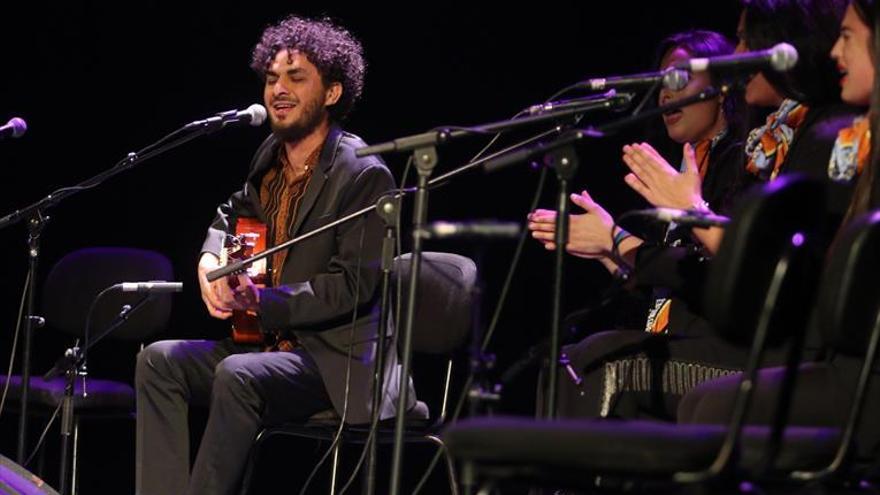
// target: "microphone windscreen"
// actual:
[[783, 57], [257, 113], [676, 79], [19, 126]]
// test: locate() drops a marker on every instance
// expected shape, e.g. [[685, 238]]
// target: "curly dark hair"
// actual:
[[336, 53]]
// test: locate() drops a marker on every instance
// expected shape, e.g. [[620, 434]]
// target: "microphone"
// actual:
[[692, 218], [16, 127], [152, 287], [612, 99], [254, 115], [474, 228], [674, 79], [780, 58]]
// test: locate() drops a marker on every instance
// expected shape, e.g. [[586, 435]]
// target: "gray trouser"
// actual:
[[244, 390]]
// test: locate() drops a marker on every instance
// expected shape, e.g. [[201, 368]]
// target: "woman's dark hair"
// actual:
[[702, 43], [867, 191], [865, 10], [337, 54], [812, 27]]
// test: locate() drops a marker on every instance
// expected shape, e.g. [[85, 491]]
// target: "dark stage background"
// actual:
[[96, 80]]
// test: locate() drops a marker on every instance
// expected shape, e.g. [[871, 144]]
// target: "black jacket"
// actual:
[[320, 279]]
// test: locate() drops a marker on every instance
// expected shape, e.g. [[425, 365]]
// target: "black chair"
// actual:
[[847, 318], [757, 288], [69, 290], [443, 323]]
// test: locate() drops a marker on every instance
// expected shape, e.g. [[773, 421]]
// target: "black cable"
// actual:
[[562, 91], [89, 322], [371, 435], [471, 130], [27, 280], [524, 235], [357, 296], [508, 281], [645, 99], [43, 435], [539, 190], [374, 425]]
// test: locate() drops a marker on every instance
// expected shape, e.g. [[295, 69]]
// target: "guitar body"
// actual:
[[249, 239]]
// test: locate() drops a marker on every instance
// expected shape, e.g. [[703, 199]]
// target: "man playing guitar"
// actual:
[[303, 176]]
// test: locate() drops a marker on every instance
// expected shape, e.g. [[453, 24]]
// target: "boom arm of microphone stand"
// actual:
[[707, 94], [441, 136], [133, 159], [575, 135], [242, 264]]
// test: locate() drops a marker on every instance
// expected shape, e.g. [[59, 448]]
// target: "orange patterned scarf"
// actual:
[[768, 145], [851, 150]]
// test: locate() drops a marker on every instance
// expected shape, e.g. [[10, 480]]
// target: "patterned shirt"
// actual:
[[281, 192]]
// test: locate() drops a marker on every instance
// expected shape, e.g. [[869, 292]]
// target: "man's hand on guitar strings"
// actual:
[[214, 293], [246, 295]]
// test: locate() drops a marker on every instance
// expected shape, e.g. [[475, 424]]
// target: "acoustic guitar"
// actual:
[[249, 239]]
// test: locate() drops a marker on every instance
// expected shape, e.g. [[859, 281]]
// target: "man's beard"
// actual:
[[312, 115]]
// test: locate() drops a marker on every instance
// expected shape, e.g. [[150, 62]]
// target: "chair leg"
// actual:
[[334, 468], [74, 478], [468, 477], [486, 489], [253, 458], [450, 465], [41, 463]]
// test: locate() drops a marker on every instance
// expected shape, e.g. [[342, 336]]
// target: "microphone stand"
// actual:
[[560, 155], [36, 221], [387, 208], [423, 147], [73, 364]]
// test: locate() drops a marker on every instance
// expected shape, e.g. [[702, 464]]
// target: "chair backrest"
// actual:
[[847, 315], [848, 298], [444, 300], [76, 279], [767, 221]]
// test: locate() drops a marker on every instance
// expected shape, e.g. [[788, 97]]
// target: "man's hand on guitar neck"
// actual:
[[217, 292]]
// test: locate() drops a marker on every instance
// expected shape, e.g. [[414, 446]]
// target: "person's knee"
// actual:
[[234, 376], [155, 360], [687, 407], [710, 402]]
